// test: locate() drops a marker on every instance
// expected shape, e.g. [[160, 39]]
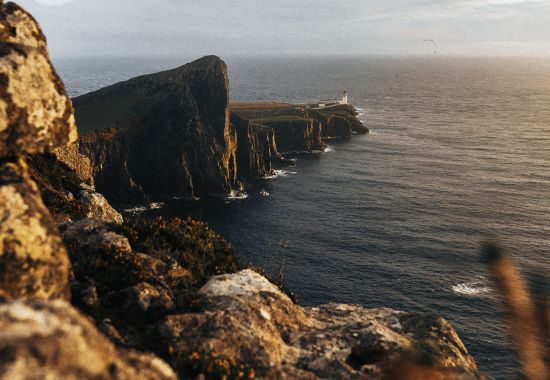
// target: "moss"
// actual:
[[192, 244]]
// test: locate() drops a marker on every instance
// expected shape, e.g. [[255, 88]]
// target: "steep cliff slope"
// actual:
[[171, 136], [256, 148]]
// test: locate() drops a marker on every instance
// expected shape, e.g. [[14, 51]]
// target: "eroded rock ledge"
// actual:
[[249, 322]]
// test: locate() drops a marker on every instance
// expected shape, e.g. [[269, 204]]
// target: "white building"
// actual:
[[332, 102]]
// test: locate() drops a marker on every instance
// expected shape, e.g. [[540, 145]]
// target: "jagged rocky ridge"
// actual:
[[169, 287]]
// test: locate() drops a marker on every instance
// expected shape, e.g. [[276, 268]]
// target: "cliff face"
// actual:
[[338, 121], [296, 134], [172, 133], [256, 148]]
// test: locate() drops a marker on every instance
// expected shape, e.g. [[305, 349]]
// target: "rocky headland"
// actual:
[[85, 294], [175, 134]]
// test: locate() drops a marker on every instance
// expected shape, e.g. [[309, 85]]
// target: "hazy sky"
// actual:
[[295, 27]]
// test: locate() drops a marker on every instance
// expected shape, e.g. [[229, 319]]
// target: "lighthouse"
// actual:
[[344, 98]]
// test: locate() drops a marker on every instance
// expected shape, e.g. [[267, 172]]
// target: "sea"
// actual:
[[458, 154]]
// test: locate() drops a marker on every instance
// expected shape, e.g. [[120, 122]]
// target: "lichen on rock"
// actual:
[[51, 340], [35, 113], [33, 260], [248, 321]]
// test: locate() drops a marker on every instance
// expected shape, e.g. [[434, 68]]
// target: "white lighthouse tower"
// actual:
[[344, 98]]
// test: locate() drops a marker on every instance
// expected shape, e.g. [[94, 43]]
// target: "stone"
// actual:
[[33, 260], [76, 161], [66, 189], [97, 206], [51, 340], [248, 323], [35, 113]]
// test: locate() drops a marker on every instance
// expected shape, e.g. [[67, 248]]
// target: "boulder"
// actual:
[[35, 113], [66, 189], [76, 161], [33, 260], [51, 340], [97, 206], [247, 323]]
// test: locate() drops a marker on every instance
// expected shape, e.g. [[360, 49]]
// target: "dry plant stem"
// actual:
[[523, 321]]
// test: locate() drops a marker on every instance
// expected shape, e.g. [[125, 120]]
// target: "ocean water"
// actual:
[[459, 153]]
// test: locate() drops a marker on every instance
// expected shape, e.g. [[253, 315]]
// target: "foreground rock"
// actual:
[[33, 260], [166, 133], [246, 324], [35, 112], [131, 276], [65, 183], [51, 340]]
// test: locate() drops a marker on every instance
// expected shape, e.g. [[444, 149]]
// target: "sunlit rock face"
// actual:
[[247, 321], [51, 340], [166, 133], [33, 260], [35, 113]]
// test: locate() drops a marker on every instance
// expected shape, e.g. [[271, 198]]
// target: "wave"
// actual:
[[329, 149], [264, 193], [150, 206], [476, 288], [279, 173], [236, 195]]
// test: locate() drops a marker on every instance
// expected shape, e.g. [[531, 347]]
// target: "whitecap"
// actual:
[[236, 194], [474, 288], [264, 193], [279, 173], [328, 149], [150, 206]]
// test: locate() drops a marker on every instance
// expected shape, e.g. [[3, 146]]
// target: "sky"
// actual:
[[294, 27]]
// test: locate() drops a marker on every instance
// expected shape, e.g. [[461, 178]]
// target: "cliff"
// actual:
[[338, 121], [169, 133], [171, 288], [256, 148]]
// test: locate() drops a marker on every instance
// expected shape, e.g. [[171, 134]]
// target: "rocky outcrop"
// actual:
[[169, 133], [35, 113], [51, 340], [256, 148], [132, 275], [109, 154], [295, 134], [96, 205], [244, 323], [33, 260], [35, 116], [68, 195], [80, 164], [338, 121]]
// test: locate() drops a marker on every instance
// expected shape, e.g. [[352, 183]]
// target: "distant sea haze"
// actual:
[[459, 152]]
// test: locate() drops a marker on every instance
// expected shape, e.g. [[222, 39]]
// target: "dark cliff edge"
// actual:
[[163, 134], [300, 127], [257, 152]]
